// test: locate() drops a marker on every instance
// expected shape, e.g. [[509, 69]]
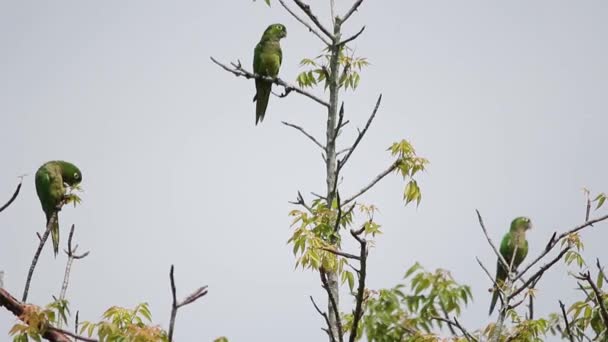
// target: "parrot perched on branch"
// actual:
[[51, 179], [513, 242], [267, 58]]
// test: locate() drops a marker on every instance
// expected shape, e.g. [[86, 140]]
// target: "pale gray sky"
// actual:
[[508, 101]]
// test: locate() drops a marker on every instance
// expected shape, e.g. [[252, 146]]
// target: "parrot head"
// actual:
[[521, 223], [70, 174], [276, 31]]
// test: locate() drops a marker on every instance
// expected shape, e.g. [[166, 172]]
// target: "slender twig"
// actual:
[[43, 239], [361, 134], [601, 269], [300, 201], [340, 253], [456, 324], [598, 296], [554, 240], [202, 291], [340, 120], [308, 135], [358, 312], [536, 276], [76, 322], [68, 267], [306, 9], [239, 71], [73, 335], [12, 199], [568, 331], [379, 177], [485, 232], [303, 22], [352, 10], [324, 315], [531, 307], [333, 304], [353, 37]]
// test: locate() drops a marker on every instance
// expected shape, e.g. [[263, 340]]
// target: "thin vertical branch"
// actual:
[[362, 272], [200, 292], [68, 267], [598, 296], [568, 331], [43, 239], [12, 199]]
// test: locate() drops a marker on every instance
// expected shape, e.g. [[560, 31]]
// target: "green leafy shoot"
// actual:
[[408, 164]]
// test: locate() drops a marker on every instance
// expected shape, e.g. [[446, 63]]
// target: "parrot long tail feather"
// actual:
[[262, 96], [494, 299], [54, 232]]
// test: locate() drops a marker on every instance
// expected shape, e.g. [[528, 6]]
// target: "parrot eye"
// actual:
[[76, 176]]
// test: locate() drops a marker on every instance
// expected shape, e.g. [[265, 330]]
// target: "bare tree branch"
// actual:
[[456, 324], [300, 201], [485, 232], [358, 312], [306, 9], [12, 199], [68, 267], [568, 331], [308, 135], [333, 304], [239, 71], [601, 269], [324, 315], [343, 161], [202, 291], [352, 10], [303, 22], [598, 296], [353, 37], [378, 178], [43, 239], [536, 276]]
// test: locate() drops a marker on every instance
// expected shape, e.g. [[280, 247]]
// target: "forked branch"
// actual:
[[176, 305]]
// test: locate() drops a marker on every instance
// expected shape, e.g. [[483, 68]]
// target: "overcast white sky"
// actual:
[[507, 100]]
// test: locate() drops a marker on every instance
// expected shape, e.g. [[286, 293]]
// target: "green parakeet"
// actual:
[[267, 58], [514, 240], [50, 180]]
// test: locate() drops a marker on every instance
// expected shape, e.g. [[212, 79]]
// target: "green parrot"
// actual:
[[516, 237], [50, 180], [267, 59]]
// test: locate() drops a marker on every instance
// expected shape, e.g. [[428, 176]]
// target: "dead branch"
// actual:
[[332, 301], [358, 312], [598, 296], [12, 199], [343, 161], [308, 135], [324, 315], [376, 179], [202, 291], [303, 22], [568, 331], [306, 9], [43, 239], [352, 10]]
